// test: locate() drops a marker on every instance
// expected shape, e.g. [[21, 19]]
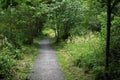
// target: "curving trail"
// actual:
[[46, 66]]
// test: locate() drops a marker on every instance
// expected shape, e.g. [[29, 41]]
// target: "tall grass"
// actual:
[[86, 56], [15, 64]]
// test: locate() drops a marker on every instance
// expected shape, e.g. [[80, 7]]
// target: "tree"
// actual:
[[108, 38]]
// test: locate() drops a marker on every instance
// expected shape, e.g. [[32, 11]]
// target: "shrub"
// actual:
[[18, 54], [114, 67], [87, 52], [7, 64]]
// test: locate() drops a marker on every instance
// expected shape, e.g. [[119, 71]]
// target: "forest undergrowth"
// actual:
[[16, 64], [82, 57], [79, 28]]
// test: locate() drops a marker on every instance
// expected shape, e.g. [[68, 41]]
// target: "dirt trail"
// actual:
[[46, 66]]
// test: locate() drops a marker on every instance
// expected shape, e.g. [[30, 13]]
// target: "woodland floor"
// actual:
[[46, 66]]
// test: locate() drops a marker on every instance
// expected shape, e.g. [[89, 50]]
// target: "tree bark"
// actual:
[[108, 39]]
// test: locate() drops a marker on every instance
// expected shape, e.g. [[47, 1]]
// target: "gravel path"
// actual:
[[46, 66]]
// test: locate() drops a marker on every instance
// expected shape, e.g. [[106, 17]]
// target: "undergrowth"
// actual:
[[15, 63], [24, 65], [82, 57]]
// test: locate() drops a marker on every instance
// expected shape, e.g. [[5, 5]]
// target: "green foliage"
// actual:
[[23, 22], [102, 18], [71, 71], [7, 64], [88, 52], [12, 59], [114, 46], [64, 15], [72, 17], [20, 22], [75, 20]]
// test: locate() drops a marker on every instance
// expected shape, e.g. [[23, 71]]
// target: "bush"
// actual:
[[7, 64], [114, 67], [8, 56], [18, 54], [14, 51], [87, 52]]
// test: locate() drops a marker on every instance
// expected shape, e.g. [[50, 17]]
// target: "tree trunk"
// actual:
[[108, 40]]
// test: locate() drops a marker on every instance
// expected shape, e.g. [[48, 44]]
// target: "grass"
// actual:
[[82, 57], [24, 65], [71, 71]]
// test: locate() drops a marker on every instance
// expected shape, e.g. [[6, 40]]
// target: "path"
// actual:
[[46, 66]]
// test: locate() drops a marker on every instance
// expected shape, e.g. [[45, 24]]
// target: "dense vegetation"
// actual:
[[79, 26]]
